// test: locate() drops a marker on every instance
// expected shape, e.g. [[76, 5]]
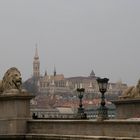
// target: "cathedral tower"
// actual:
[[36, 65]]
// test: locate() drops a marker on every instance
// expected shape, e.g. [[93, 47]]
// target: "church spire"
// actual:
[[45, 73], [36, 64], [54, 71], [36, 52]]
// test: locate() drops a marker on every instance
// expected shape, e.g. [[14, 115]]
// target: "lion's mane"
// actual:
[[132, 92], [11, 80]]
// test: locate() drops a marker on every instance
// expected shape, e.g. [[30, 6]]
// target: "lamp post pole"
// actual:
[[102, 110], [81, 114]]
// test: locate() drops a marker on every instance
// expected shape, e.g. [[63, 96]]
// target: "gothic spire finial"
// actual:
[[45, 73], [36, 52], [54, 71]]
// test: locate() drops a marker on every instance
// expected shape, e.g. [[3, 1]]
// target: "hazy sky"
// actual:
[[74, 35]]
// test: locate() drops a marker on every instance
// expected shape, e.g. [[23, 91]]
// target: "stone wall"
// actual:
[[60, 137], [109, 128], [16, 124], [127, 108], [14, 113]]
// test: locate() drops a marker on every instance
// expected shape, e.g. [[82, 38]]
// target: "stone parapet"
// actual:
[[127, 108], [61, 137], [14, 112], [109, 128]]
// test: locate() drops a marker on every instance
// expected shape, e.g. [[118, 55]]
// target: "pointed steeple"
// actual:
[[45, 73], [36, 52], [36, 64], [92, 74], [54, 71]]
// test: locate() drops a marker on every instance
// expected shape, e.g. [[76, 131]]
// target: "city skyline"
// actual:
[[76, 36]]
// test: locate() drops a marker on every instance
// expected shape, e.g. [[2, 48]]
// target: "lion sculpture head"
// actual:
[[11, 80], [137, 94], [132, 92]]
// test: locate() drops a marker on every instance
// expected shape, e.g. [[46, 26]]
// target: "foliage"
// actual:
[[31, 85]]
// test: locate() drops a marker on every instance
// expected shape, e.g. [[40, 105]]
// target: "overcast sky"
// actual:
[[74, 35]]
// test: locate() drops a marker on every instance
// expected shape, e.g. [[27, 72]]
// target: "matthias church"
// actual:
[[58, 83]]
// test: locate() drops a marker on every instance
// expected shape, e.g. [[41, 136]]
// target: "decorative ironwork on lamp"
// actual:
[[81, 114], [102, 110]]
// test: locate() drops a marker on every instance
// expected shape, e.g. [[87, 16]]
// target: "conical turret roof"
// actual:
[[92, 74]]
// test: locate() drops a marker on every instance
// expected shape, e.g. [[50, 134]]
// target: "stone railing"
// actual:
[[109, 128]]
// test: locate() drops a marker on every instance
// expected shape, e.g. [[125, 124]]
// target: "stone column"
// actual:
[[14, 112]]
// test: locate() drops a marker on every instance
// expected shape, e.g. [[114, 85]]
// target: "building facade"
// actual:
[[57, 83]]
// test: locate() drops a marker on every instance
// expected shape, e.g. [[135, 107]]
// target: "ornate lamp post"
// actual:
[[102, 110], [81, 114]]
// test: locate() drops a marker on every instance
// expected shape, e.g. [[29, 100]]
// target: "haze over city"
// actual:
[[74, 35]]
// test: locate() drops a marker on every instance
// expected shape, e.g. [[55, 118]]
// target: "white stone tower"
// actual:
[[36, 65]]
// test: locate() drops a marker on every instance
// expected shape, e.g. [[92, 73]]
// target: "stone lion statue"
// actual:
[[11, 81], [132, 92]]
